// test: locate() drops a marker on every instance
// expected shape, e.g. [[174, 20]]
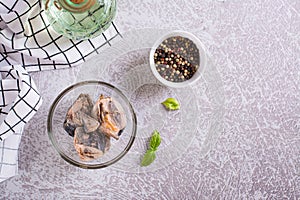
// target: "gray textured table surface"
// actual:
[[255, 46]]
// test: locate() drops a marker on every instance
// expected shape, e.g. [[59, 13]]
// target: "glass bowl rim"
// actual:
[[54, 141]]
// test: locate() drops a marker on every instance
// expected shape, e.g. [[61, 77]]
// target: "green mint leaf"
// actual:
[[171, 104], [148, 158], [155, 140]]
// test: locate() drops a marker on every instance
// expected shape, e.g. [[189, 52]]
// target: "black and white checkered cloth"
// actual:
[[28, 43]]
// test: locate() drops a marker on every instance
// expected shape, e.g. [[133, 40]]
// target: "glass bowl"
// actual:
[[64, 143]]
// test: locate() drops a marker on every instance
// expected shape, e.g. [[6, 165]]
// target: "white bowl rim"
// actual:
[[202, 54]]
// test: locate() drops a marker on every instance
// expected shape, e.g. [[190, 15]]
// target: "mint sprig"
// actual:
[[150, 156], [155, 140], [171, 104]]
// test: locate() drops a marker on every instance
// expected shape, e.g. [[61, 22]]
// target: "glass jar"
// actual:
[[80, 19]]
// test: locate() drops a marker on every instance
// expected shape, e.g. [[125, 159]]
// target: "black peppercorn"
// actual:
[[177, 59]]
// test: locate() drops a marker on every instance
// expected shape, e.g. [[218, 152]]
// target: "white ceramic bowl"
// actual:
[[202, 64]]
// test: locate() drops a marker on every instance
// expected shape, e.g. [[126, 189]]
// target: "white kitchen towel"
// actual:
[[28, 43], [18, 103]]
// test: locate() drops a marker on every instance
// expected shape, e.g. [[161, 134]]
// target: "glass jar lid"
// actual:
[[76, 6]]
